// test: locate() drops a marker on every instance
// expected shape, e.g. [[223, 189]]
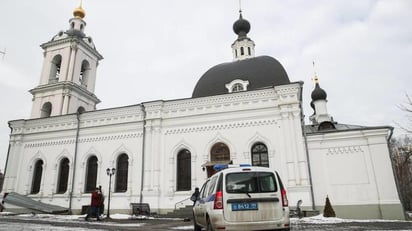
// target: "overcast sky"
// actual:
[[158, 49]]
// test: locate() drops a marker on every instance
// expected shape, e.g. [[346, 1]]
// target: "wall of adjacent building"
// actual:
[[354, 170]]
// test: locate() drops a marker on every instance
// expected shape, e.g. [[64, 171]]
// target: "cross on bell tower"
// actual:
[[68, 76]]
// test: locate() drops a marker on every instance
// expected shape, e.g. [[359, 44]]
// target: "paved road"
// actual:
[[11, 223]]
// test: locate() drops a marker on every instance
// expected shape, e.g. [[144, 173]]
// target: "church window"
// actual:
[[122, 173], [72, 25], [37, 174], [248, 50], [242, 51], [81, 110], [55, 69], [184, 170], [235, 53], [81, 27], [63, 176], [220, 152], [260, 155], [84, 73], [46, 110], [237, 87], [91, 174]]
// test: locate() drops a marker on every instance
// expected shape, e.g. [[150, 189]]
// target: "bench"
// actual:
[[140, 209]]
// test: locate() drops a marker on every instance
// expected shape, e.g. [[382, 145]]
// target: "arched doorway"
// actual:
[[219, 154]]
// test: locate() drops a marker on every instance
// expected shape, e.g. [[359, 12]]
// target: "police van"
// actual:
[[242, 197]]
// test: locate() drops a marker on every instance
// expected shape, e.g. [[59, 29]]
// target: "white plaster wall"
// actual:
[[350, 169]]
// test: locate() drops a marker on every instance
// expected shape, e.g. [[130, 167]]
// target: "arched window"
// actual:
[[260, 155], [37, 174], [237, 87], [46, 110], [248, 50], [55, 69], [220, 152], [242, 51], [84, 73], [184, 171], [80, 110], [122, 173], [91, 174], [63, 176]]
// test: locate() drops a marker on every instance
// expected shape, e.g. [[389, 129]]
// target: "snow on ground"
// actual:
[[320, 219], [188, 227]]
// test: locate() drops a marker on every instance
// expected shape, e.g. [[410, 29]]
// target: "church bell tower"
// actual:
[[68, 76]]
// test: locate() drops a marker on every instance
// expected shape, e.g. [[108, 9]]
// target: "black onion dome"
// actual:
[[241, 27], [318, 93], [261, 72]]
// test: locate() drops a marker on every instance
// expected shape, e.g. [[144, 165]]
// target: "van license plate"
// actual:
[[244, 206]]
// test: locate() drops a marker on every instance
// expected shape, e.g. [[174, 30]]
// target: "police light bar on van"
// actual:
[[219, 167]]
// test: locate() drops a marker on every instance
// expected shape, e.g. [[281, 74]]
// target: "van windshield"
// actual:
[[251, 182]]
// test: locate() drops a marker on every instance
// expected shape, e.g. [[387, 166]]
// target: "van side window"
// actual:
[[212, 186], [203, 190]]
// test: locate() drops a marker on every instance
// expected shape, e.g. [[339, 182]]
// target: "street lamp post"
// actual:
[[110, 173]]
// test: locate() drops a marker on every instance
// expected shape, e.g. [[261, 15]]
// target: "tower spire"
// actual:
[[79, 11], [318, 101], [315, 78], [243, 47]]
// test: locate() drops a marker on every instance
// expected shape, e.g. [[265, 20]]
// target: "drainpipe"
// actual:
[[143, 151], [306, 147], [74, 161]]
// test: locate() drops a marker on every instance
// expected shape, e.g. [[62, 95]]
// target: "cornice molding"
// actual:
[[225, 126], [83, 140], [70, 40], [66, 87], [247, 100], [114, 116]]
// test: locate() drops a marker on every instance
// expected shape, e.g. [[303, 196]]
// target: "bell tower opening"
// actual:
[[46, 110], [55, 69], [84, 73]]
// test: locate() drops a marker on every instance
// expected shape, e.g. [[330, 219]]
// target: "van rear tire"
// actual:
[[196, 227], [209, 225]]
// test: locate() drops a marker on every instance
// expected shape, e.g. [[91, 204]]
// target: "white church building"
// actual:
[[243, 111]]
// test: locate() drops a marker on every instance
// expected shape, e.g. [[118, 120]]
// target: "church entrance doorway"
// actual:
[[219, 154]]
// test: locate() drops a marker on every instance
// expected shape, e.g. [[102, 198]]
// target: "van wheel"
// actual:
[[209, 225], [196, 227]]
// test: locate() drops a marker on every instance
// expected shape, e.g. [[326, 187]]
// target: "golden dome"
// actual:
[[79, 12]]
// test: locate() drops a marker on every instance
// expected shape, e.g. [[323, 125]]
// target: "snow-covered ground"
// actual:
[[319, 219], [128, 221]]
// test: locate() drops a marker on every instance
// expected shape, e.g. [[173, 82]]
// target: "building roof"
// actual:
[[261, 72], [313, 129]]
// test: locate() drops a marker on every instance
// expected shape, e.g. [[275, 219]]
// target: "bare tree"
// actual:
[[407, 108], [401, 149], [401, 153]]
